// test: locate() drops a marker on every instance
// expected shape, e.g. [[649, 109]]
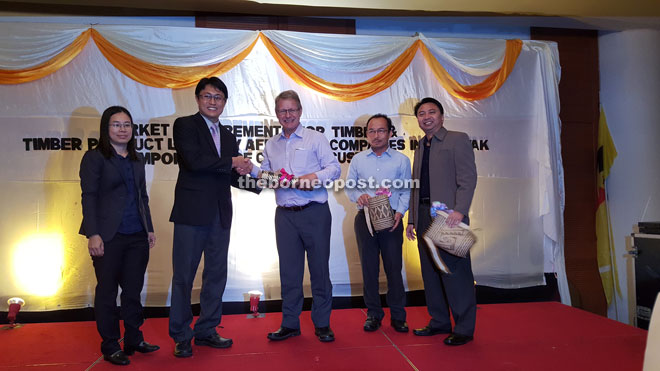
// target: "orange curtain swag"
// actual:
[[161, 76], [12, 77], [343, 92], [483, 89]]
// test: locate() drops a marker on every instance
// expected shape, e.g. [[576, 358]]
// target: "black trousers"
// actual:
[[447, 291], [388, 245], [123, 264], [297, 233]]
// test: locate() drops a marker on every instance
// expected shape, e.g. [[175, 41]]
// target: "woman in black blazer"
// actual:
[[117, 222]]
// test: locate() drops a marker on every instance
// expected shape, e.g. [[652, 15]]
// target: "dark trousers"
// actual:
[[388, 245], [297, 233], [190, 242], [123, 264], [447, 291]]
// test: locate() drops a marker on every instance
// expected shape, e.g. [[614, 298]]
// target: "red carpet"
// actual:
[[526, 336]]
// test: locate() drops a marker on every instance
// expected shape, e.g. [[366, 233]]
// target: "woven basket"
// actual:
[[456, 241], [380, 212], [271, 177]]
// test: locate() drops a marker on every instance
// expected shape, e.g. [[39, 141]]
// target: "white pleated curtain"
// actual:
[[528, 103]]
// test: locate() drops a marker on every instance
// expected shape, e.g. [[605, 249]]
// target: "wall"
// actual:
[[630, 96], [145, 21]]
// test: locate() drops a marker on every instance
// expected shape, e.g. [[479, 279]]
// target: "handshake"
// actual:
[[241, 164]]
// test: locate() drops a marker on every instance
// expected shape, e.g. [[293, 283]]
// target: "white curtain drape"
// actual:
[[477, 57], [518, 207], [24, 45], [340, 53], [181, 46]]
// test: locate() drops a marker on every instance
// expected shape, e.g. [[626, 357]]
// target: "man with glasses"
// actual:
[[444, 164], [209, 163], [302, 218], [375, 170]]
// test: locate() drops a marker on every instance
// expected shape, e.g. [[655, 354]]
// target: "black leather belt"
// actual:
[[425, 201], [297, 208]]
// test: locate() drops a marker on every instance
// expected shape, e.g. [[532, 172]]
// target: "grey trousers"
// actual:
[[387, 245], [299, 232]]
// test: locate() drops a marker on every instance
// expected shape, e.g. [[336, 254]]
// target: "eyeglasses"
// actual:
[[117, 125], [377, 131], [290, 111], [209, 97]]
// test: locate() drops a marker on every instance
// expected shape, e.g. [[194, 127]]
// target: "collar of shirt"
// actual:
[[370, 152], [439, 135], [209, 123], [299, 133]]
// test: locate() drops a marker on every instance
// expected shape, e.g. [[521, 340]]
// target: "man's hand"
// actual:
[[241, 164], [307, 182], [454, 218], [95, 245], [397, 220], [248, 168], [410, 232], [363, 200], [152, 240]]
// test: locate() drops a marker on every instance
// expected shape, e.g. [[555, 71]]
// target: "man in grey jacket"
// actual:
[[445, 168]]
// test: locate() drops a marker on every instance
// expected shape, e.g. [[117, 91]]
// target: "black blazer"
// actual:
[[104, 194], [203, 185]]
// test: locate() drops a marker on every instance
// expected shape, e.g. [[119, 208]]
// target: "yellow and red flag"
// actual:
[[605, 247]]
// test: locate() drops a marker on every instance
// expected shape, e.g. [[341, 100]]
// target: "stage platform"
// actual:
[[521, 336]]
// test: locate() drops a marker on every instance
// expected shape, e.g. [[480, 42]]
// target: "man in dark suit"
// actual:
[[445, 168], [209, 163]]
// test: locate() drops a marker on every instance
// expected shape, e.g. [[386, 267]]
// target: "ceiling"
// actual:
[[596, 14]]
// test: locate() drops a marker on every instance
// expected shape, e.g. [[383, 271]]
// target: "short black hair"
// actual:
[[429, 100], [390, 126], [213, 81], [104, 133]]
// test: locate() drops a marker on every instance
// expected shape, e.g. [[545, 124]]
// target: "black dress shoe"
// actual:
[[399, 326], [371, 324], [183, 349], [143, 347], [283, 333], [457, 339], [214, 341], [117, 358], [325, 334], [430, 331]]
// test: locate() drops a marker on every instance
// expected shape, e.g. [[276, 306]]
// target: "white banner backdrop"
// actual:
[[49, 123]]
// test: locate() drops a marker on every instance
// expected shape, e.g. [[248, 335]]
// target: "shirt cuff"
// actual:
[[255, 171]]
